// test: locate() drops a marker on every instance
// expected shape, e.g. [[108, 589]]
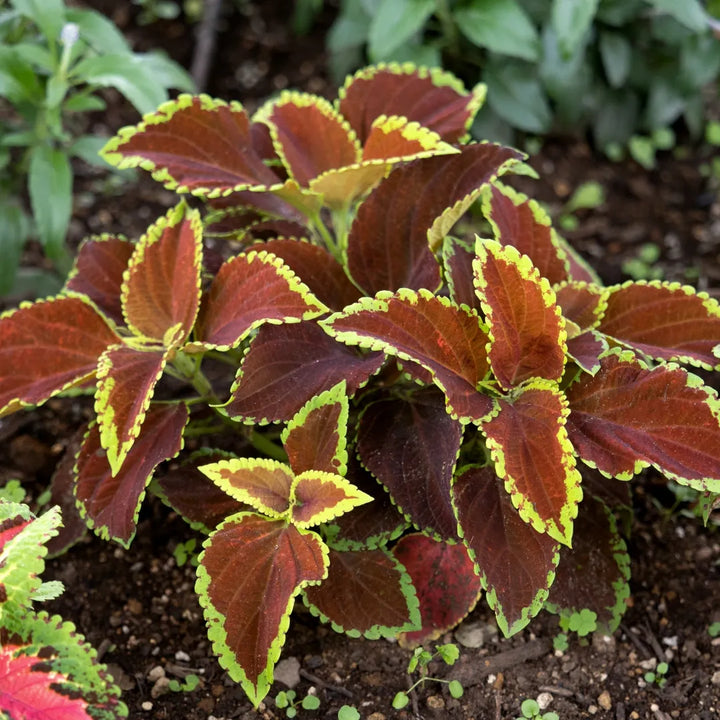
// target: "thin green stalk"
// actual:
[[267, 446]]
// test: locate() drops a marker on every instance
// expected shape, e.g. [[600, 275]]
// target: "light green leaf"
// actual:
[[500, 25], [665, 103], [688, 12], [48, 15], [34, 54], [166, 72], [88, 148], [394, 23], [98, 31], [84, 102], [18, 81], [14, 228], [571, 20], [616, 53]]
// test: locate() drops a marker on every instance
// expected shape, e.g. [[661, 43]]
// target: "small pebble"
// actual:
[[182, 656], [715, 679], [435, 702], [147, 705], [161, 687], [376, 716], [544, 699], [592, 709], [287, 671], [156, 673], [604, 700]]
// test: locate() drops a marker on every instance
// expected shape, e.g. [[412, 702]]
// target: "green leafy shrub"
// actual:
[[392, 418], [53, 61], [622, 68]]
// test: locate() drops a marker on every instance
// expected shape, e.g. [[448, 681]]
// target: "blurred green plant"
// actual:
[[619, 68], [642, 266], [587, 196], [53, 61], [153, 10]]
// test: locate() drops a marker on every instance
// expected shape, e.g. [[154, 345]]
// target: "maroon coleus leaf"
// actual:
[[445, 339], [98, 273], [288, 364], [411, 445], [194, 496], [593, 574], [516, 220], [249, 574], [111, 503], [516, 562], [581, 302], [366, 591], [666, 321], [529, 445], [195, 144], [126, 381], [526, 327], [316, 437], [319, 270], [405, 218], [458, 262], [318, 497], [161, 289], [586, 349], [579, 270], [248, 291], [627, 417], [48, 347], [445, 581], [432, 98]]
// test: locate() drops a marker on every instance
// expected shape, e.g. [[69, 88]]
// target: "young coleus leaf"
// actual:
[[526, 327], [366, 592], [581, 303], [593, 574], [411, 445], [286, 365], [249, 290], [405, 217], [516, 563], [228, 155], [628, 416], [431, 97], [666, 321], [111, 502], [250, 571], [447, 340], [48, 347], [446, 583], [586, 349], [529, 445], [516, 220]]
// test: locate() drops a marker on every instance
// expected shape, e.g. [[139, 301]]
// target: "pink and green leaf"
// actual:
[[111, 502], [47, 347], [593, 574], [411, 446], [366, 592], [126, 381], [286, 365], [447, 340], [249, 290], [516, 220], [526, 327], [431, 97], [445, 581], [627, 417], [197, 145], [161, 289], [249, 575], [516, 563], [98, 273], [319, 497], [529, 445], [264, 484], [316, 437], [666, 321]]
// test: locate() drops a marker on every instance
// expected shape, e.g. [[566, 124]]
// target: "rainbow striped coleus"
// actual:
[[455, 410]]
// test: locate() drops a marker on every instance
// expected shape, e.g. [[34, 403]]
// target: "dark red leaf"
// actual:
[[194, 144], [287, 365], [459, 274], [667, 321], [516, 562], [98, 273], [445, 582], [249, 574], [627, 417], [47, 347], [365, 591], [521, 222], [526, 327], [586, 348], [445, 339], [161, 291], [581, 302], [111, 503], [411, 446]]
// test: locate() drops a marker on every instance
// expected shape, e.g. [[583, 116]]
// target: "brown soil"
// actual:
[[139, 607]]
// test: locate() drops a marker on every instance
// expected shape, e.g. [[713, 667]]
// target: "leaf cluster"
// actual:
[[624, 69], [393, 417], [54, 60]]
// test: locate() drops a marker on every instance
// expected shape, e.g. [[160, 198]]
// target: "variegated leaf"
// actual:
[[581, 302]]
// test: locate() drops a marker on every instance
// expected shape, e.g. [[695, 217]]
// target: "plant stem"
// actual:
[[267, 446]]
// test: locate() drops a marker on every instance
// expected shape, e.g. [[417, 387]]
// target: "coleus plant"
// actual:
[[388, 414], [47, 670]]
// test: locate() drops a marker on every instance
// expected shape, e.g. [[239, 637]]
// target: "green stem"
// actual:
[[327, 238], [267, 446], [449, 29]]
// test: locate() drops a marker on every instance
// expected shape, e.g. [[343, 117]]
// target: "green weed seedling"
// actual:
[[642, 266], [288, 700], [588, 196], [714, 630], [531, 711], [189, 684], [657, 676], [560, 642], [419, 661], [348, 712], [185, 551]]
